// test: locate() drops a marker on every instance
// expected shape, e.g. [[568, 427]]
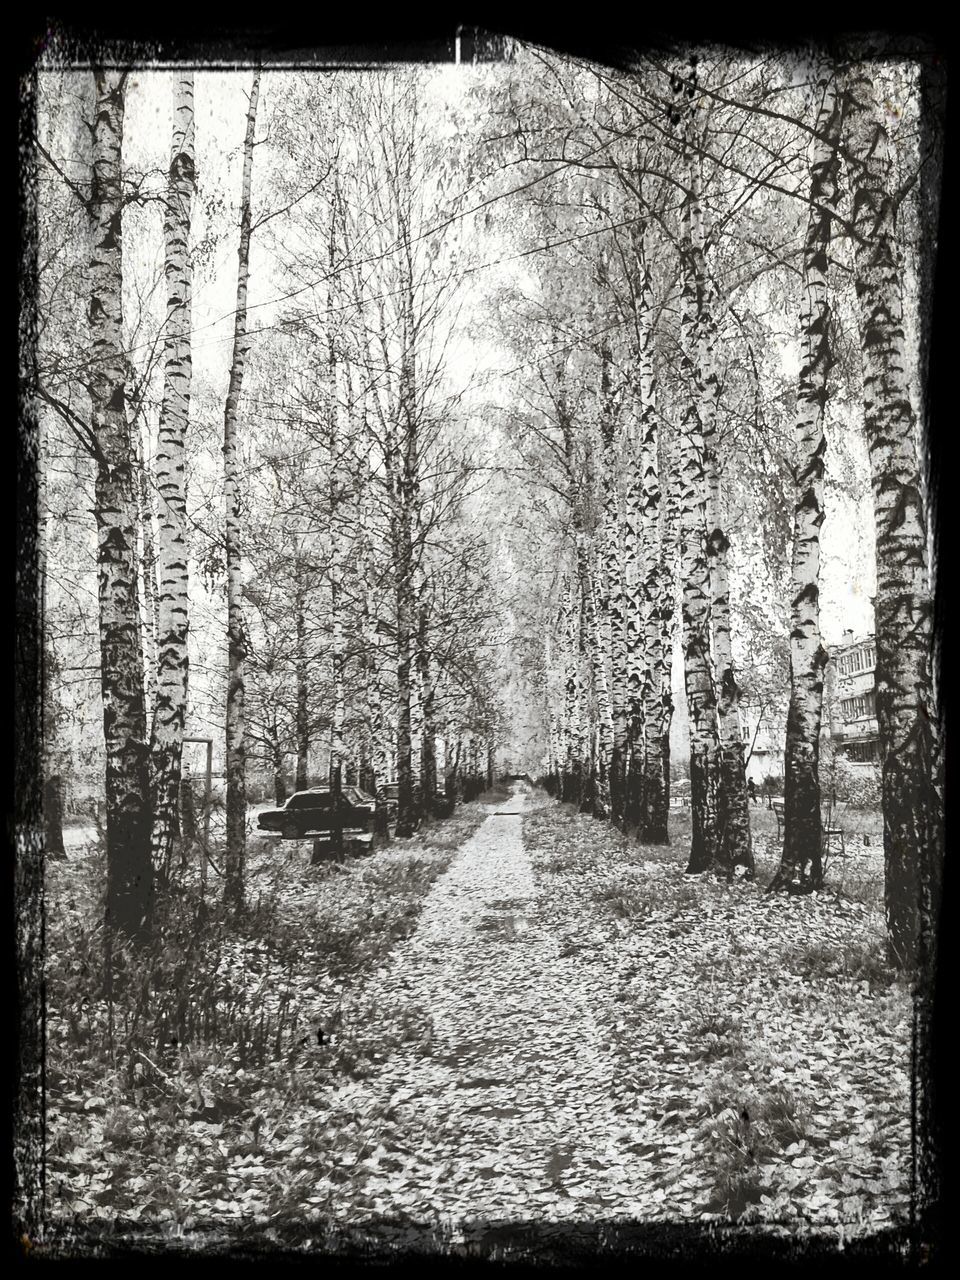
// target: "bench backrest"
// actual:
[[778, 806]]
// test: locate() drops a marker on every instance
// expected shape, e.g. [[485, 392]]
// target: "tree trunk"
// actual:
[[613, 616], [407, 812], [416, 729], [573, 762], [652, 811], [173, 605], [553, 764], [405, 492], [633, 598], [129, 870], [53, 818], [302, 678], [428, 740], [53, 760], [733, 811], [140, 435], [28, 1131], [600, 775], [336, 729], [336, 793], [907, 715], [695, 569], [236, 839], [667, 604], [279, 773], [582, 637], [802, 833]]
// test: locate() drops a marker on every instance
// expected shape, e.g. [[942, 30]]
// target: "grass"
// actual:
[[857, 877], [854, 962], [627, 901], [853, 821], [743, 1130]]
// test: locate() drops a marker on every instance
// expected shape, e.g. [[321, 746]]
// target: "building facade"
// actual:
[[764, 734], [851, 699]]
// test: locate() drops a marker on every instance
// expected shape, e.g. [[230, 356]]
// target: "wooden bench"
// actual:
[[830, 834]]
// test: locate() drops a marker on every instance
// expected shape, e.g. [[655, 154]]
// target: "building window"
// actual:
[[860, 707], [855, 660], [850, 663]]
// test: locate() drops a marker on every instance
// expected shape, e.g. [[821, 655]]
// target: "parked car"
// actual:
[[312, 812]]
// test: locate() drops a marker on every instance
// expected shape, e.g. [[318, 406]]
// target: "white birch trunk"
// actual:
[[129, 869], [907, 714], [236, 752], [802, 835], [173, 606]]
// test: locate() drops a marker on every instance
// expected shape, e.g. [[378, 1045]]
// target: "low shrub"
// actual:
[[857, 785]]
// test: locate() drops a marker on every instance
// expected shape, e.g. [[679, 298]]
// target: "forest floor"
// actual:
[[521, 1018]]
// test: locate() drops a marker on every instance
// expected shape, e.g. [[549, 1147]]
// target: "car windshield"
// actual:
[[309, 800]]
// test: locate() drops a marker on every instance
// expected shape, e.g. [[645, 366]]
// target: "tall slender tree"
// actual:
[[235, 852], [695, 564], [733, 814], [653, 810], [802, 837], [129, 869], [912, 765], [173, 605]]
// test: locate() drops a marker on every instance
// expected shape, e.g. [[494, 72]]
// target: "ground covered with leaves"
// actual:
[[521, 1016], [763, 1043], [181, 1100]]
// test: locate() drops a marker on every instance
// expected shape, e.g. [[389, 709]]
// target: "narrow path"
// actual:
[[509, 1113]]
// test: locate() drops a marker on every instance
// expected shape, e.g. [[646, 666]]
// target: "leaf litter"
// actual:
[[557, 1026]]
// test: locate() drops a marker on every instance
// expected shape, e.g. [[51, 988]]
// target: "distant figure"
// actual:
[[752, 790]]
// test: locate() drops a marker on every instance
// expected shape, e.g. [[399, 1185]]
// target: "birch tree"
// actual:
[[173, 605], [695, 565], [906, 710], [129, 870], [236, 641], [802, 837], [652, 787]]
